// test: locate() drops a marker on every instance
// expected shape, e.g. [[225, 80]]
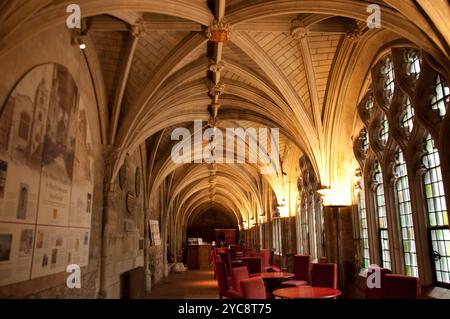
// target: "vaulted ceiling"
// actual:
[[299, 65]]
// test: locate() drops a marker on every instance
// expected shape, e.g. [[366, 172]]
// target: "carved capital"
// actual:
[[219, 31], [354, 33], [298, 29], [138, 30]]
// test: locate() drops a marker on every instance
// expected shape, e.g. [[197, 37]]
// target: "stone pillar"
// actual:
[[110, 155], [339, 246]]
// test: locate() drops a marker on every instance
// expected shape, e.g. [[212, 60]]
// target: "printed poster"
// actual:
[[50, 251], [16, 251]]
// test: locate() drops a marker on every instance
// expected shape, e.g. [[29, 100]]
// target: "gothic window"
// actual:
[[388, 73], [364, 140], [405, 216], [408, 116], [375, 109], [384, 131], [305, 228], [414, 62], [438, 225], [380, 202], [276, 224], [369, 103], [364, 232], [441, 97]]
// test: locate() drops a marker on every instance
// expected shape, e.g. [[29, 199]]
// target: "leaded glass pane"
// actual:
[[363, 230], [382, 217], [389, 86], [437, 212], [414, 63], [408, 116], [384, 132], [406, 224], [441, 97]]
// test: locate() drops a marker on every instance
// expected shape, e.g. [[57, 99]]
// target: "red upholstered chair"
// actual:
[[253, 288], [222, 282], [215, 257], [302, 270], [265, 257], [232, 252], [323, 260], [400, 287], [247, 252], [259, 255], [324, 275], [376, 293], [238, 274], [275, 263], [254, 265]]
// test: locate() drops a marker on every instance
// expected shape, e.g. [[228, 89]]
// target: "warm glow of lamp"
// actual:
[[334, 197]]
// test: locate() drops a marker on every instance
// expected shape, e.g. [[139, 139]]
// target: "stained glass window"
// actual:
[[405, 214], [439, 232], [384, 132], [277, 235], [364, 233], [364, 140], [441, 97], [369, 103], [414, 63], [408, 116], [388, 85], [382, 217]]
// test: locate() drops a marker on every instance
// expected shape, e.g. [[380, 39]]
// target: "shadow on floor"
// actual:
[[192, 284]]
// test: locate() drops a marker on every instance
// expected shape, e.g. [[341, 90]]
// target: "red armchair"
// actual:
[[223, 284], [376, 293], [254, 265], [324, 275], [237, 275], [253, 288], [400, 287], [302, 269]]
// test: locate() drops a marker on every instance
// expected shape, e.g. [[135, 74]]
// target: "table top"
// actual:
[[307, 292], [276, 275]]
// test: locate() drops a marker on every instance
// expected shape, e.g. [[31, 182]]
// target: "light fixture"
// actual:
[[79, 35]]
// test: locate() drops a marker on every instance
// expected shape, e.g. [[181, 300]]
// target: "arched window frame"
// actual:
[[310, 213], [412, 114]]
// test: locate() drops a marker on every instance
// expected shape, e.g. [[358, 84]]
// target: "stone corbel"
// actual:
[[138, 30], [298, 29], [354, 33]]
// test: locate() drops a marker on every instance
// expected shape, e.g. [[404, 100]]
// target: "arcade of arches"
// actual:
[[361, 172]]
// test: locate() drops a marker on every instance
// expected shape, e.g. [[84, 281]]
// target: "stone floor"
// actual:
[[192, 284]]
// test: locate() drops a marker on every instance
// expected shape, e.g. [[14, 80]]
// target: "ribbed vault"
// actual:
[[299, 66]]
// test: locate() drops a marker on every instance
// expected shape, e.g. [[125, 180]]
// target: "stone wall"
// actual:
[[124, 227], [115, 245], [54, 47]]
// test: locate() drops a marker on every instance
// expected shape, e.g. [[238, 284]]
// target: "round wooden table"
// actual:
[[306, 292], [274, 279]]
